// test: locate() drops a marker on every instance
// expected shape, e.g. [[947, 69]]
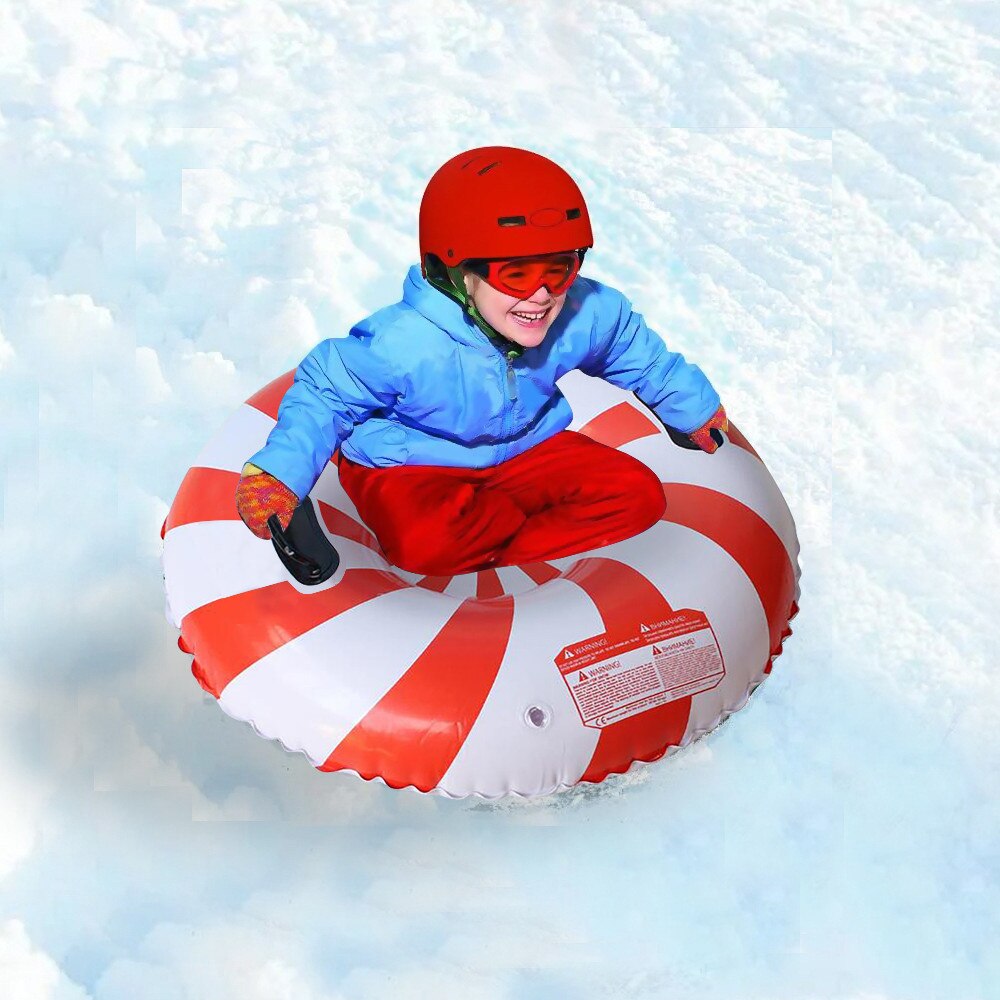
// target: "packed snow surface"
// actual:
[[802, 198]]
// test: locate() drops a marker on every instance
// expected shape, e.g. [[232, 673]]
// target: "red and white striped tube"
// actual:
[[522, 680]]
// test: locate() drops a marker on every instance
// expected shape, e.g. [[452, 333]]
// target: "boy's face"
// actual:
[[501, 311]]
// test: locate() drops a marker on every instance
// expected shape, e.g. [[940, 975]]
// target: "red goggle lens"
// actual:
[[523, 276]]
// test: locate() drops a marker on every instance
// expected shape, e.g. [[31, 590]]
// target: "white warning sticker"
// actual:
[[613, 677]]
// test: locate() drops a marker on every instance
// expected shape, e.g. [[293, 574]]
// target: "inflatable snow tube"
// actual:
[[520, 680]]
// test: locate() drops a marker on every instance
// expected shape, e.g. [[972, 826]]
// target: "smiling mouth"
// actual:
[[526, 318]]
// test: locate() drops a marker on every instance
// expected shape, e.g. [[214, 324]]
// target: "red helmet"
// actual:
[[497, 202]]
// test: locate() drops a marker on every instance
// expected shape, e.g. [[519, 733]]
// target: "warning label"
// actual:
[[613, 677]]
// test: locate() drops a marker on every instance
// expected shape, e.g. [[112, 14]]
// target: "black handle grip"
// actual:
[[302, 547], [683, 441]]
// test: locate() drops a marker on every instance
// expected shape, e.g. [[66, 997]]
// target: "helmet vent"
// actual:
[[572, 213], [490, 166], [512, 220]]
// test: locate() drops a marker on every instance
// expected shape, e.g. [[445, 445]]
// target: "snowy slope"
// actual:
[[803, 198]]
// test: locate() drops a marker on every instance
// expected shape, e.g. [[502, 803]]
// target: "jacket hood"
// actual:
[[442, 311], [446, 313]]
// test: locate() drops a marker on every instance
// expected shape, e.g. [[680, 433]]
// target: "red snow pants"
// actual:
[[563, 496]]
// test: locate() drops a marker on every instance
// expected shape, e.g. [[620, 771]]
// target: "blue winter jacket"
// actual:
[[418, 383]]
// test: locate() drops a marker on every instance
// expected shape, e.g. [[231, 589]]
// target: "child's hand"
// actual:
[[702, 437], [258, 496]]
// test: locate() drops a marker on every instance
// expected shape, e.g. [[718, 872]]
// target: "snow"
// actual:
[[803, 198]]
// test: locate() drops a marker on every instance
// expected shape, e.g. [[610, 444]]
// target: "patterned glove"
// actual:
[[702, 436], [258, 496]]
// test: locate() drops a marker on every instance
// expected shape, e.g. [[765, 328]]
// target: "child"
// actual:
[[451, 429]]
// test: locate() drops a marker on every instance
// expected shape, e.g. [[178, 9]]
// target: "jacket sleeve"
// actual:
[[339, 383], [630, 355]]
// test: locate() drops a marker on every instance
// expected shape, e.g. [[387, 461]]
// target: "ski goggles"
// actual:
[[523, 276]]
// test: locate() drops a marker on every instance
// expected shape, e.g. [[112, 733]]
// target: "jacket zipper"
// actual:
[[512, 396], [511, 380]]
